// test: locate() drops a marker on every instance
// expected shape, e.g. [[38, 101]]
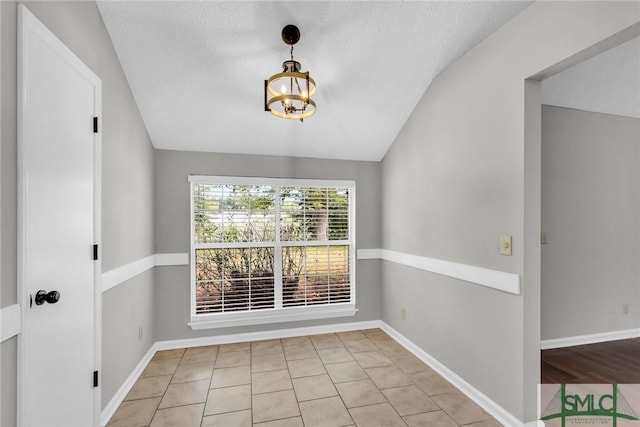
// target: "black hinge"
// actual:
[[95, 252], [95, 378], [95, 125]]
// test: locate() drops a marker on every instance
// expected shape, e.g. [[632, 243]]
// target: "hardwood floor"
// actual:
[[614, 362]]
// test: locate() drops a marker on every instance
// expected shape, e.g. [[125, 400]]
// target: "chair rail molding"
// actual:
[[125, 272], [499, 280]]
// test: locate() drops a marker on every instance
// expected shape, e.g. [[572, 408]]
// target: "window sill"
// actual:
[[224, 320]]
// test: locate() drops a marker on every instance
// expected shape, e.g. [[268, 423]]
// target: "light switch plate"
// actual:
[[505, 245], [543, 238]]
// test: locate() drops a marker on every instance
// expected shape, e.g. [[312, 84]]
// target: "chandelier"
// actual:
[[288, 94]]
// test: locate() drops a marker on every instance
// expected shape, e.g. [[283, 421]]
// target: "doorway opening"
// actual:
[[590, 200]]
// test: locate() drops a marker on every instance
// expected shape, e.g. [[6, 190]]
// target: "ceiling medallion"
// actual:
[[291, 90]]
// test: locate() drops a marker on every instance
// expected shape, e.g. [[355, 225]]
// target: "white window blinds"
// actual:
[[261, 244]]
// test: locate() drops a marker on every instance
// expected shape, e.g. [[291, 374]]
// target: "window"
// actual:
[[268, 250]]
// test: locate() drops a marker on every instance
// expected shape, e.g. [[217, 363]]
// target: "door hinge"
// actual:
[[95, 125], [95, 378], [95, 252]]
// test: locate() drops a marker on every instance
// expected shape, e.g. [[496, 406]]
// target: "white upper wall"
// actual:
[[607, 83]]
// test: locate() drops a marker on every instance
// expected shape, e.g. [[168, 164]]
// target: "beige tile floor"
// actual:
[[361, 378]]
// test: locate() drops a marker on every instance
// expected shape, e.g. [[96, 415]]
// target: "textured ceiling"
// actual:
[[607, 83], [197, 69]]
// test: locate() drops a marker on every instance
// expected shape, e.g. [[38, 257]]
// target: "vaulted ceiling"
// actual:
[[197, 69]]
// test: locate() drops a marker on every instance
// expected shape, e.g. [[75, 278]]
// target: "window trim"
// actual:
[[278, 313]]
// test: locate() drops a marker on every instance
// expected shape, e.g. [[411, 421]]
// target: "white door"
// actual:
[[58, 181]]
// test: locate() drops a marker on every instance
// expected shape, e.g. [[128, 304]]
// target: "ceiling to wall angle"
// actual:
[[197, 69]]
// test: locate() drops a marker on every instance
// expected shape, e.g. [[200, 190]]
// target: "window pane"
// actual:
[[292, 221], [206, 212], [234, 279], [309, 213], [315, 275], [233, 213], [242, 277], [339, 288], [208, 297], [338, 212], [209, 265], [293, 263]]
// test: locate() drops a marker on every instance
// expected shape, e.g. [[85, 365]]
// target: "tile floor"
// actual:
[[361, 378]]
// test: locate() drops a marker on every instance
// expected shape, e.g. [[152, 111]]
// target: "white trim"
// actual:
[[369, 253], [171, 259], [125, 272], [271, 243], [192, 243], [280, 182], [259, 317], [482, 400], [277, 261], [97, 236], [126, 386], [589, 339], [10, 322], [278, 314], [266, 335], [500, 280]]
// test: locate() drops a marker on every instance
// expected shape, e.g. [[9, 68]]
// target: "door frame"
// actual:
[[28, 23], [532, 208]]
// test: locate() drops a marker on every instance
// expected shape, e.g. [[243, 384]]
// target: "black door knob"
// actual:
[[50, 297]]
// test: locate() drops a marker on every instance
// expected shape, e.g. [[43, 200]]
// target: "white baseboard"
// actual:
[[495, 410], [267, 335], [474, 394], [124, 389], [589, 339]]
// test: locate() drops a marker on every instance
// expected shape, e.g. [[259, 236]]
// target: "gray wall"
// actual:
[[126, 307], [454, 181], [172, 228], [127, 182], [591, 213]]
